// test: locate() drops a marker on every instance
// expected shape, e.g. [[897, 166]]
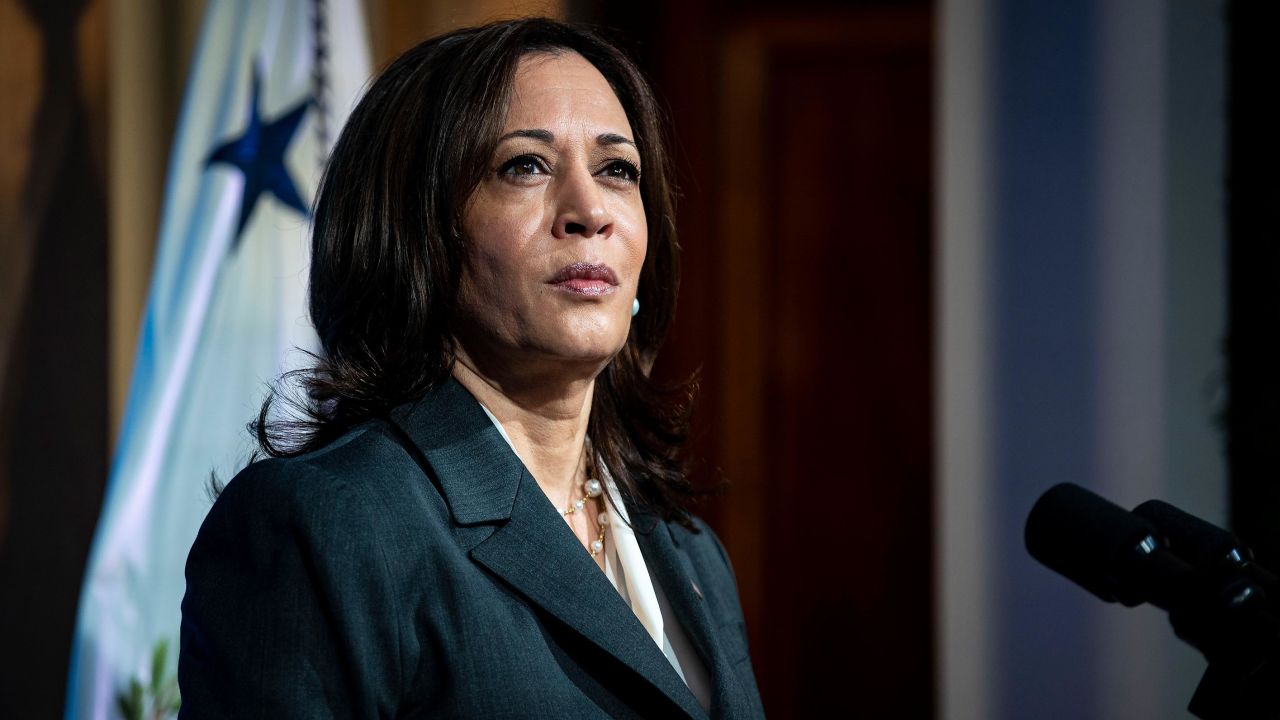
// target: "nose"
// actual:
[[580, 207]]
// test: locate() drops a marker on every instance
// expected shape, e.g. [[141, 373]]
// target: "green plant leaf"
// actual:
[[158, 657], [137, 699], [169, 699]]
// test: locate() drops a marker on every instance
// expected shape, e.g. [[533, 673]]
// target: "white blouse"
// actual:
[[625, 567]]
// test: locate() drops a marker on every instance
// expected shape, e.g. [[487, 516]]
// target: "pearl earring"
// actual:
[[635, 307]]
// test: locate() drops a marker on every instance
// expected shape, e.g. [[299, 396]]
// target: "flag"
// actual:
[[271, 83]]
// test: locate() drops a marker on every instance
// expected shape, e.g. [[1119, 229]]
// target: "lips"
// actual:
[[585, 279]]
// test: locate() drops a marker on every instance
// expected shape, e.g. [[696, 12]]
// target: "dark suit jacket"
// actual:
[[414, 568]]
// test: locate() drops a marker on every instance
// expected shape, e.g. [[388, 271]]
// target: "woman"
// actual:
[[480, 515]]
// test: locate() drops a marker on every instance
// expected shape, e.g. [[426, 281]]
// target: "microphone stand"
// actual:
[[1223, 603], [1218, 599], [1229, 615], [1225, 610]]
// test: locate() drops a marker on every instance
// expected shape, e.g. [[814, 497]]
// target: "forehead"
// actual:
[[563, 90]]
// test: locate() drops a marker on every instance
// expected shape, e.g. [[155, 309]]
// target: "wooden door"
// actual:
[[806, 137], [825, 347]]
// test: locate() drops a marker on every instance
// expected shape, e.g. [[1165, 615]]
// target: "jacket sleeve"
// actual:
[[290, 610]]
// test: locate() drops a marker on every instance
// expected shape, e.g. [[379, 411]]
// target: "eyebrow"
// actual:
[[613, 139], [546, 136], [540, 135]]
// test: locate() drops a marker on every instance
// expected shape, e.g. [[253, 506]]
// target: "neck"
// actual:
[[546, 421]]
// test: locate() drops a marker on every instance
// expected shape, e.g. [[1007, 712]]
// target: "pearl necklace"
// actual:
[[592, 489]]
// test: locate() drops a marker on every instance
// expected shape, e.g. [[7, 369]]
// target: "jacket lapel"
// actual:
[[537, 554], [532, 548], [669, 566]]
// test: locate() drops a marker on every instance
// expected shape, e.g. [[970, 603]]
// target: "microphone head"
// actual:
[[1088, 539], [1197, 541]]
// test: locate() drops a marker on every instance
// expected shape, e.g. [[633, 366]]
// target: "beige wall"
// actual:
[[396, 25], [150, 50]]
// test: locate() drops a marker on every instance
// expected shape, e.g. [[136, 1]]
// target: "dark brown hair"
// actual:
[[387, 255]]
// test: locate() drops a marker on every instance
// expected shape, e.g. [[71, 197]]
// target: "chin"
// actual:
[[586, 348], [593, 354]]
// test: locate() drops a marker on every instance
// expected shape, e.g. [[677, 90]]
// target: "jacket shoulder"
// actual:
[[367, 463], [293, 606]]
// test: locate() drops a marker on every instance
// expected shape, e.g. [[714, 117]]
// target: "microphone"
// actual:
[[1203, 544], [1114, 554], [1218, 599]]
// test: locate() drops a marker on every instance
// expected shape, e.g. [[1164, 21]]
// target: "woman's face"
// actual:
[[555, 234]]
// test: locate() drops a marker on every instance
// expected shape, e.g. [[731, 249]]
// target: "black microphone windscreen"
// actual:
[[1086, 538], [1196, 541]]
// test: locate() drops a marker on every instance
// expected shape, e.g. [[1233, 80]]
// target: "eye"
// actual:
[[523, 165], [621, 170]]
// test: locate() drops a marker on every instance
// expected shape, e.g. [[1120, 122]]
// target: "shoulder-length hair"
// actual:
[[387, 255]]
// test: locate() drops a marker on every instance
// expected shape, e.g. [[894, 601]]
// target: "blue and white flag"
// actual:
[[271, 84]]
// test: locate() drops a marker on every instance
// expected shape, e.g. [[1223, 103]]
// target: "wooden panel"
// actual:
[[825, 358]]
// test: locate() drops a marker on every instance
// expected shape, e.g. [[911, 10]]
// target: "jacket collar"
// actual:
[[478, 473], [532, 549]]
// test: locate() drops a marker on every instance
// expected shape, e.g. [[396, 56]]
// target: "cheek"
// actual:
[[629, 224], [637, 245], [488, 265], [495, 248]]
